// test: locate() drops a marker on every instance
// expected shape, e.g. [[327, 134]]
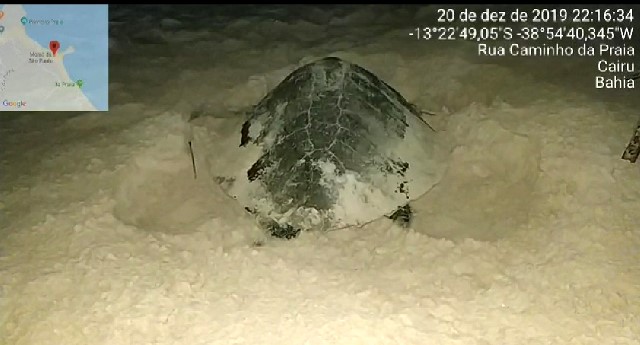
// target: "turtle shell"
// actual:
[[331, 146]]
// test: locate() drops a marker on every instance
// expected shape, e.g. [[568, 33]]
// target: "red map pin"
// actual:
[[54, 46]]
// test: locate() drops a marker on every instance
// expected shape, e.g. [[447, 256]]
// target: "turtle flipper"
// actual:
[[402, 216]]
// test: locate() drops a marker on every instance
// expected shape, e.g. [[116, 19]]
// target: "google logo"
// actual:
[[18, 104]]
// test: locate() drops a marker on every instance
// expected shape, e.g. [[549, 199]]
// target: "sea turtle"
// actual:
[[331, 146]]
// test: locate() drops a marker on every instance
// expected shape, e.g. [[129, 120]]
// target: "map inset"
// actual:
[[54, 57]]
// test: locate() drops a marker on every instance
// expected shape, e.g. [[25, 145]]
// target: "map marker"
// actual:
[[54, 46], [1, 14], [79, 82], [23, 20]]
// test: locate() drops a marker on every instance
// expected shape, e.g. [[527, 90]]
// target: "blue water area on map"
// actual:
[[86, 28]]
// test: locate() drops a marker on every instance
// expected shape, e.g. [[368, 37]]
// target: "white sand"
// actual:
[[532, 236]]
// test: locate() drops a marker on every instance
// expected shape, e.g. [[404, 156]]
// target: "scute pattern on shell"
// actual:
[[327, 123]]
